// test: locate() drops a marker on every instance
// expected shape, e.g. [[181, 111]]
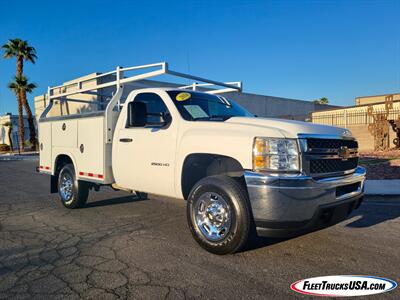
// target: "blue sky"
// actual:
[[295, 49]]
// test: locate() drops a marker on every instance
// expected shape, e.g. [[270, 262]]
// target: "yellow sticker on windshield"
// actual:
[[183, 96]]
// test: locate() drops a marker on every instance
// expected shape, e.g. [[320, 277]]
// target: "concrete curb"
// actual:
[[13, 157], [382, 187]]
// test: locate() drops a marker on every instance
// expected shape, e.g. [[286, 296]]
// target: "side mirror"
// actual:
[[137, 114], [166, 118], [159, 119]]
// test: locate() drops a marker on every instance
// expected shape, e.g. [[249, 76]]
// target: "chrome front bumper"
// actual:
[[285, 204]]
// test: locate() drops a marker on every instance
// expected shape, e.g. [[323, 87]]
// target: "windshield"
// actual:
[[195, 106]]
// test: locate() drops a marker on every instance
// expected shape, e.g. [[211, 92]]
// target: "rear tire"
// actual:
[[73, 192], [218, 214]]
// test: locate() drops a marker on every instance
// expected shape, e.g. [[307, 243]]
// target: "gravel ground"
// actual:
[[381, 165], [120, 247]]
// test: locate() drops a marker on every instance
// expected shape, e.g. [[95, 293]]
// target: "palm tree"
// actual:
[[322, 100], [9, 133], [23, 52], [20, 86]]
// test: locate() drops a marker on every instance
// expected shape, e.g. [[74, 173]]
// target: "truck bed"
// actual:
[[82, 137]]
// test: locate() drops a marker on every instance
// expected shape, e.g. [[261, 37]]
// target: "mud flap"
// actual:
[[53, 184]]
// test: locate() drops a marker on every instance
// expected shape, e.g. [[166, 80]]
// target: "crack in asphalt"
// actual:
[[64, 256]]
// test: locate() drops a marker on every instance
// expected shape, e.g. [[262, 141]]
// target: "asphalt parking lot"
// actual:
[[120, 247]]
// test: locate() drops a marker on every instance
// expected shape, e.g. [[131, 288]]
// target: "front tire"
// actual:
[[218, 214], [73, 192]]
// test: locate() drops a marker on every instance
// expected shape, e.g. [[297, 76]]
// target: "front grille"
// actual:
[[329, 157], [332, 165], [331, 143]]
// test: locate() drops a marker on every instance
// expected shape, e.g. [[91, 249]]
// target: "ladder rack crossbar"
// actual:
[[79, 88], [81, 101], [163, 66], [76, 83], [195, 85], [208, 81]]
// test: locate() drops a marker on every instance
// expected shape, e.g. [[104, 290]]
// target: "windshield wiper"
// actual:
[[213, 118]]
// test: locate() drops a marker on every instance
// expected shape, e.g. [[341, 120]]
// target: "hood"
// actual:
[[290, 128]]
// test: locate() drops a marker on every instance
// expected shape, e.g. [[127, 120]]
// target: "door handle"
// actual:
[[125, 140]]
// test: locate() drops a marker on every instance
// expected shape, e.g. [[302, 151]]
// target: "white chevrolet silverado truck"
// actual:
[[239, 174]]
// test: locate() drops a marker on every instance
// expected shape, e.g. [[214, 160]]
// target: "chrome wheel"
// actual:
[[213, 216], [66, 187]]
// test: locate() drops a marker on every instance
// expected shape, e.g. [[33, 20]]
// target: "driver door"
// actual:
[[147, 153]]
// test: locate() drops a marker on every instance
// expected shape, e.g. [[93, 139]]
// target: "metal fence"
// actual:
[[345, 118]]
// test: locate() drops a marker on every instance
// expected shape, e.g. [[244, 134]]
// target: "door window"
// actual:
[[155, 107]]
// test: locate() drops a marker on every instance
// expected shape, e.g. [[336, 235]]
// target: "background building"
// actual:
[[357, 119], [8, 117]]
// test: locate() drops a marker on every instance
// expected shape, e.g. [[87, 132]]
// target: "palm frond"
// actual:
[[9, 50], [14, 87], [30, 87]]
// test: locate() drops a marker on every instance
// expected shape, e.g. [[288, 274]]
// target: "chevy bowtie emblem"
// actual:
[[344, 152]]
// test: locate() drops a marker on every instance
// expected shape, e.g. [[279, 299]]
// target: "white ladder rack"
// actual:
[[60, 92]]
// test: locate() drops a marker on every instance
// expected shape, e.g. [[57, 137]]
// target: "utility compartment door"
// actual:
[[64, 133], [45, 146], [90, 154]]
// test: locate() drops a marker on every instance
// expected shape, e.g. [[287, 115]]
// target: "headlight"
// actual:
[[274, 154]]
